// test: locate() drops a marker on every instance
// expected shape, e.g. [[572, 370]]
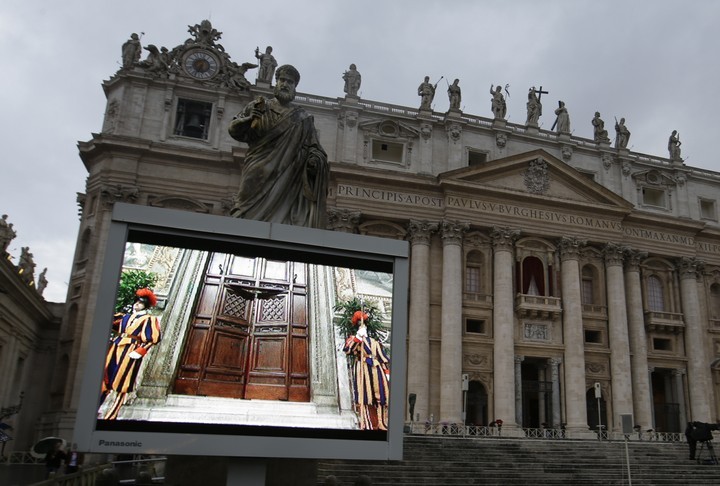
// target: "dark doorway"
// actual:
[[592, 410], [536, 394], [477, 404], [665, 402]]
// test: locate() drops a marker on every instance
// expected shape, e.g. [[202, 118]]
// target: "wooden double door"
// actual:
[[248, 336]]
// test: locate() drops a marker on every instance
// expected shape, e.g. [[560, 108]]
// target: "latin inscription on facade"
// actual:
[[511, 210]]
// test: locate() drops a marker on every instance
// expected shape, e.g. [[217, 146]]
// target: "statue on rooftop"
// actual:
[[455, 95], [426, 92], [26, 265], [131, 51], [498, 105], [674, 146], [267, 64], [599, 132], [285, 172], [7, 233], [352, 80], [534, 106], [42, 281], [563, 118], [622, 134]]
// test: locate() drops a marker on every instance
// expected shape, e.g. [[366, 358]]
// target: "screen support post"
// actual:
[[246, 472]]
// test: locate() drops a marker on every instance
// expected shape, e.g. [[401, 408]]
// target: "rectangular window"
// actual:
[[587, 292], [654, 197], [193, 119], [593, 336], [387, 151], [707, 209], [662, 344], [476, 158], [472, 280], [476, 326]]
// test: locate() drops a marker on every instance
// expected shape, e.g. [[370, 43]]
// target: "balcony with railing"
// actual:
[[538, 306], [477, 299], [669, 322]]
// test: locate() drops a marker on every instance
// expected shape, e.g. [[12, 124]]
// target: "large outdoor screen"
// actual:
[[258, 340]]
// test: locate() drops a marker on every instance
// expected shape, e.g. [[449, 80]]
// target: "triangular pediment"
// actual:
[[535, 175]]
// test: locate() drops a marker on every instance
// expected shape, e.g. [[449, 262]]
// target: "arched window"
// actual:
[[655, 294], [533, 276], [587, 295]]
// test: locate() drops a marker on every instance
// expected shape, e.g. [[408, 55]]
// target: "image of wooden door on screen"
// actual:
[[248, 337]]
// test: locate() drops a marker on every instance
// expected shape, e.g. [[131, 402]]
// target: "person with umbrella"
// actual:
[[54, 456], [135, 333]]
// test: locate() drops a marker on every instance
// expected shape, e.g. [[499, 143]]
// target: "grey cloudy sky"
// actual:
[[654, 62]]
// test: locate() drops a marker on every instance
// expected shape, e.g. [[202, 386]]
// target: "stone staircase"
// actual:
[[450, 461]]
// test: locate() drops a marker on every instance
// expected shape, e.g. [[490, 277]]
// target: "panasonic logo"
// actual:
[[118, 443]]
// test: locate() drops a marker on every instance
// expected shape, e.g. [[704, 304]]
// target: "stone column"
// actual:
[[573, 336], [680, 394], [618, 335], [451, 322], [503, 324], [555, 379], [695, 335], [650, 371], [518, 389], [419, 317], [642, 397]]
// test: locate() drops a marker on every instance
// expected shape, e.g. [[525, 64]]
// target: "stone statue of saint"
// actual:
[[426, 92], [26, 265], [534, 107], [131, 51], [285, 172], [498, 105], [599, 132], [622, 134], [563, 118], [674, 146], [7, 233], [267, 64], [352, 81], [455, 95], [42, 281]]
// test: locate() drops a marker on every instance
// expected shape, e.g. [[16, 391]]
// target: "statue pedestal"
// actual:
[[263, 84], [425, 113], [499, 123], [532, 129], [563, 136], [453, 114]]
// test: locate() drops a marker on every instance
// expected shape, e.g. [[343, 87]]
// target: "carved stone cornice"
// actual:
[[343, 220], [570, 247], [633, 259], [690, 267], [504, 238], [614, 254], [421, 231], [452, 232]]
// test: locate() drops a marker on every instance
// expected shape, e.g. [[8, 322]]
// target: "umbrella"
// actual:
[[43, 446]]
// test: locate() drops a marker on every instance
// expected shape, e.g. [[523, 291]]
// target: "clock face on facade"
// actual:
[[201, 65]]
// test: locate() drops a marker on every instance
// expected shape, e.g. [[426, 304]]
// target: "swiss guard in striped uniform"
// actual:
[[371, 376], [135, 334]]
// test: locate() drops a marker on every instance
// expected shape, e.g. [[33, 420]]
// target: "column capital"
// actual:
[[452, 232], [633, 258], [519, 358], [689, 267], [614, 254], [651, 369], [343, 220], [678, 372], [554, 362], [504, 238], [570, 247], [421, 231]]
